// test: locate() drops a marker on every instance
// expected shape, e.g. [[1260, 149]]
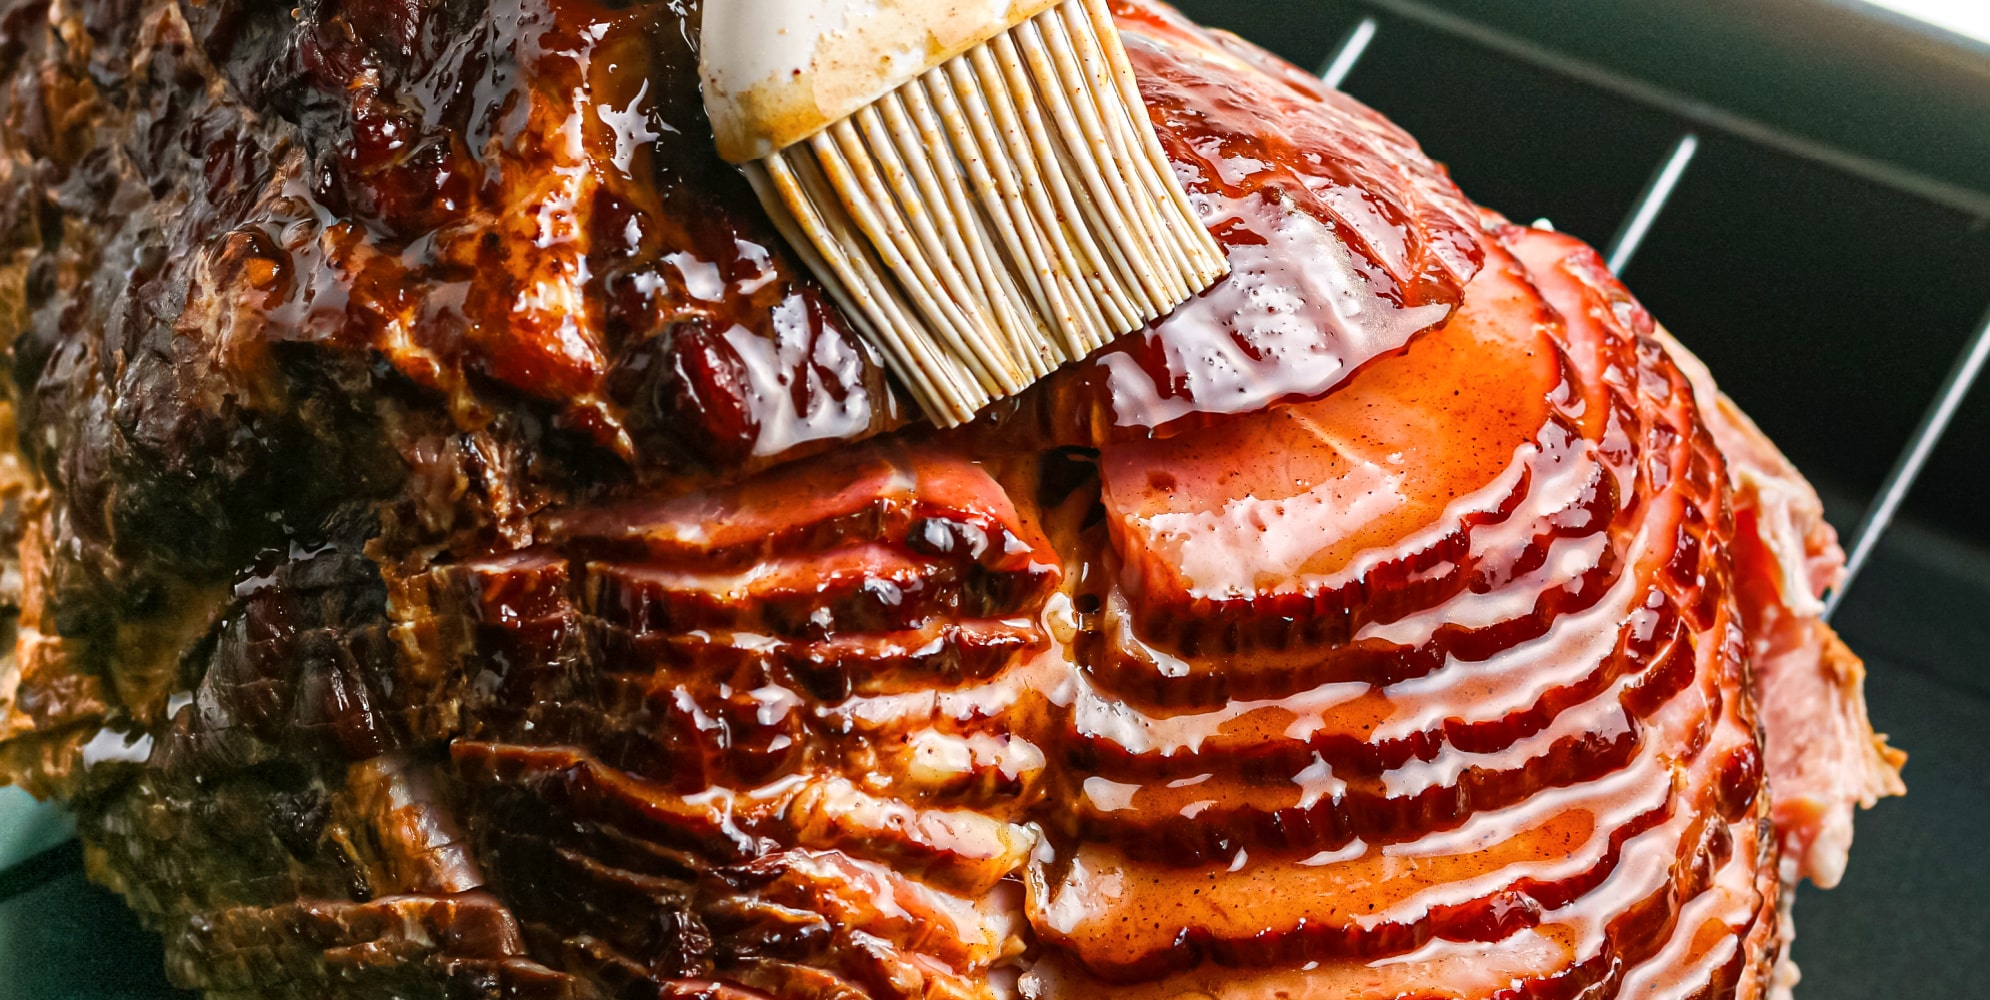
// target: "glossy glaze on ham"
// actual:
[[455, 552]]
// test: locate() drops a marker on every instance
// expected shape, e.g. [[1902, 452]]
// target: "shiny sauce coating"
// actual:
[[533, 209], [1181, 718], [1366, 628]]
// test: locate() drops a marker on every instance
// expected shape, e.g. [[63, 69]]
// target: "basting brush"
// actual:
[[976, 182]]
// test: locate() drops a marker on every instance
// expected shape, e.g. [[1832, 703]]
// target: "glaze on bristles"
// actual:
[[1006, 212]]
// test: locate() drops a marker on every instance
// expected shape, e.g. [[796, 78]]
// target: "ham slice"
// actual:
[[453, 552]]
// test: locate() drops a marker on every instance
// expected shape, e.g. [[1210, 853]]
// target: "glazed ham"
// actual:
[[457, 553]]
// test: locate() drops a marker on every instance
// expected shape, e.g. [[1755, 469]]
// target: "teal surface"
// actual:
[[62, 938], [69, 940], [28, 828]]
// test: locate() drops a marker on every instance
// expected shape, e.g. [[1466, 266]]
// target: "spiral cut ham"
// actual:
[[452, 551]]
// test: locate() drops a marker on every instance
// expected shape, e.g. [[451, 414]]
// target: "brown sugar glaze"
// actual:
[[472, 226], [1366, 628], [1431, 684]]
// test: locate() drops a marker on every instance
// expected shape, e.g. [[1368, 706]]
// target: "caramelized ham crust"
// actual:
[[457, 554]]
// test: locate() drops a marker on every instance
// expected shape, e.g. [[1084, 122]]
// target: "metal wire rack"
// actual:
[[1665, 179], [47, 909]]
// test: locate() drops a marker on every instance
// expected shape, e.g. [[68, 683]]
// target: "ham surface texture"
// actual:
[[452, 550]]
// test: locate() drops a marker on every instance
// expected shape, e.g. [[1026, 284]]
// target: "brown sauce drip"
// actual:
[[522, 208], [1344, 241], [882, 664]]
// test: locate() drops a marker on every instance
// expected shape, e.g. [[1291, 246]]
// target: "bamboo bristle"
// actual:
[[1006, 213]]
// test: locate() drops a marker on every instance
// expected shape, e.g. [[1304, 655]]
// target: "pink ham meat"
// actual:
[[453, 554], [1823, 756], [1486, 735]]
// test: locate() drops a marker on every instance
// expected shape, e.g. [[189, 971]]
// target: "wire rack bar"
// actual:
[[1658, 191], [1900, 482], [1704, 116], [1651, 203], [1352, 48]]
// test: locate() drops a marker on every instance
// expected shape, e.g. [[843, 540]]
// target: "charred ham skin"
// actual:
[[453, 551]]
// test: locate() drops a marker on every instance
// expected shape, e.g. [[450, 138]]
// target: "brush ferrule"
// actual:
[[776, 72]]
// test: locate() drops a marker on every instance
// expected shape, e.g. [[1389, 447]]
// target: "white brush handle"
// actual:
[[776, 72]]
